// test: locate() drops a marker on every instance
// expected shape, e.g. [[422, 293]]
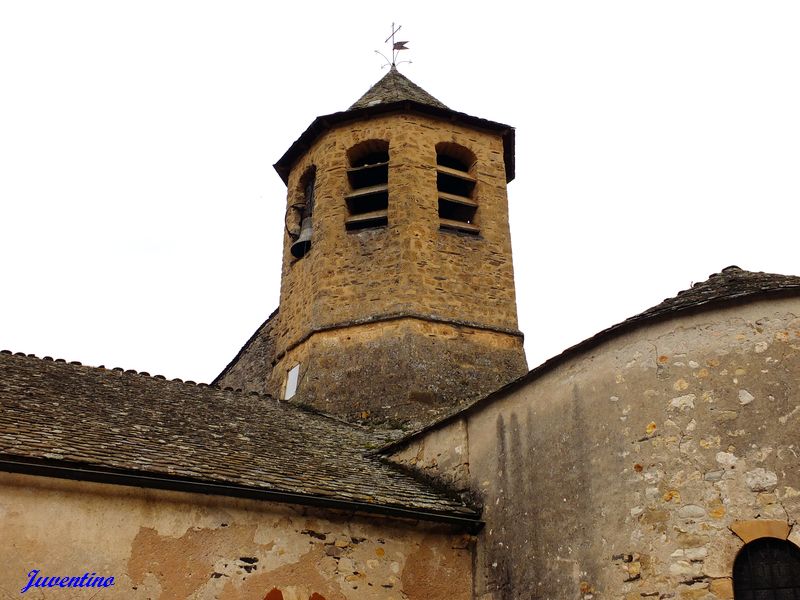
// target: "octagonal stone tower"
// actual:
[[397, 293]]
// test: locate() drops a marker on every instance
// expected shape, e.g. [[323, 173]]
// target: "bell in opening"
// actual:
[[303, 242]]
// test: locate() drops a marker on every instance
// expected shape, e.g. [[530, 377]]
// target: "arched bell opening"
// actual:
[[455, 183], [368, 176], [302, 216]]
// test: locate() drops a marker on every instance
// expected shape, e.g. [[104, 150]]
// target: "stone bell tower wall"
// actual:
[[400, 371], [409, 268]]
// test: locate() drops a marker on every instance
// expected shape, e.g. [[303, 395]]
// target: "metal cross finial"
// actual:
[[396, 47]]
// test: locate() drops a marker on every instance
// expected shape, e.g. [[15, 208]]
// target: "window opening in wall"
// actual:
[[292, 378], [368, 176], [767, 569], [305, 208], [456, 187]]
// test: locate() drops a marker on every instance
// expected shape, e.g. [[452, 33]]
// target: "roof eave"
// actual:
[[469, 519], [322, 124]]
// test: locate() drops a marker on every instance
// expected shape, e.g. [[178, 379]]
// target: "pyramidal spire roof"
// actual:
[[395, 87], [394, 93]]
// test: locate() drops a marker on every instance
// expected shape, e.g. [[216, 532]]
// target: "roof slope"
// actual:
[[68, 413], [732, 285], [393, 93], [250, 369], [395, 87]]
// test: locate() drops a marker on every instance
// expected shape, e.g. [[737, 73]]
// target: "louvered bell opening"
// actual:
[[368, 176], [456, 186]]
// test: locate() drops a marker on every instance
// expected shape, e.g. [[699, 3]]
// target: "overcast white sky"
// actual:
[[141, 219]]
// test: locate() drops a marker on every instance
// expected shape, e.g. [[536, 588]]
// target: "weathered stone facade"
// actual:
[[176, 546], [405, 321], [638, 468], [399, 371], [409, 268], [634, 465]]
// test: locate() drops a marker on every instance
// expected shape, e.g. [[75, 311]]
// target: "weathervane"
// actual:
[[396, 47]]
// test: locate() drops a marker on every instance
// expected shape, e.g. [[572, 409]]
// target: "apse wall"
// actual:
[[638, 468]]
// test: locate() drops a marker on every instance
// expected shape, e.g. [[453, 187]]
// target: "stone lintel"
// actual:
[[752, 529]]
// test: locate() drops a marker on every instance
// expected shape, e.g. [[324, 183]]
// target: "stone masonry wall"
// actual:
[[410, 265], [639, 469], [175, 546], [402, 372], [409, 268]]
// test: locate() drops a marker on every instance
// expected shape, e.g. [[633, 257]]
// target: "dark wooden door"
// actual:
[[767, 569]]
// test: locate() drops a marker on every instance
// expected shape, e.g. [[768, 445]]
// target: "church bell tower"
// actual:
[[397, 295]]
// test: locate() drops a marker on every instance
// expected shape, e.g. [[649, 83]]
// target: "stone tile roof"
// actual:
[[732, 285], [395, 87], [394, 92], [250, 369], [72, 414], [729, 285]]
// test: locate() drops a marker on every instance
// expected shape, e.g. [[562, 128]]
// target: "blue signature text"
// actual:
[[37, 581]]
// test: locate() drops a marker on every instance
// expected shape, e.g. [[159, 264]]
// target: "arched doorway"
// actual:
[[767, 569]]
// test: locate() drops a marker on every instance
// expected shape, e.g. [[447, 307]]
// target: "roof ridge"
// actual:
[[730, 273], [188, 382], [245, 347], [144, 374]]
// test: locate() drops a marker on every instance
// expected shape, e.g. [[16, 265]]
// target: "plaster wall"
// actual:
[[441, 454], [171, 545], [638, 469]]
